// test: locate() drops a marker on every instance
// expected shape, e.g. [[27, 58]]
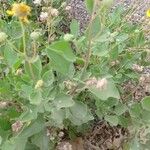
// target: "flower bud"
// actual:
[[35, 35], [16, 127], [3, 37], [54, 12], [39, 84], [68, 8], [18, 72], [68, 37], [137, 68], [43, 16], [37, 2], [102, 84]]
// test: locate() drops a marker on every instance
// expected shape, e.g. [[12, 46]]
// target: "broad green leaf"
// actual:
[[58, 116], [146, 103], [14, 30], [112, 119], [109, 91], [36, 97], [34, 128], [10, 55], [5, 123], [89, 5], [15, 143], [63, 101], [122, 38], [79, 114], [95, 27], [48, 78], [29, 114], [58, 62], [120, 109], [26, 90], [101, 49], [74, 27], [62, 48], [33, 69], [41, 140], [136, 110]]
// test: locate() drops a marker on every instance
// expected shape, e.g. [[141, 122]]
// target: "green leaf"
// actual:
[[36, 97], [64, 49], [34, 128], [58, 116], [136, 110], [112, 119], [109, 91], [120, 109], [41, 140], [101, 49], [60, 58], [74, 27], [122, 38], [63, 101], [15, 143], [48, 78], [79, 113], [95, 27], [1, 140], [5, 123], [34, 69], [29, 114], [10, 55], [146, 103], [89, 5]]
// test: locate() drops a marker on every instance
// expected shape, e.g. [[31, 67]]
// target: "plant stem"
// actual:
[[23, 38]]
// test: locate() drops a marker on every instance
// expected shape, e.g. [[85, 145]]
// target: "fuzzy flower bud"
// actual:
[[3, 37], [43, 16], [35, 35], [68, 8], [39, 84], [16, 127], [91, 82], [37, 2], [61, 134], [18, 72], [137, 68], [54, 12], [102, 84], [68, 37]]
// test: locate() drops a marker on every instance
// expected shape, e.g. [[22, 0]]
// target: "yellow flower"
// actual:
[[20, 10], [148, 13]]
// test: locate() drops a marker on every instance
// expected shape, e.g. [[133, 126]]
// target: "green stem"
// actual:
[[23, 38]]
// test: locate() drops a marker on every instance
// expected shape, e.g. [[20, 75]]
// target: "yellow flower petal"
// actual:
[[10, 12], [20, 10], [148, 13], [24, 19]]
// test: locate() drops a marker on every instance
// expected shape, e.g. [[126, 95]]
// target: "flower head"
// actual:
[[43, 16], [3, 37], [20, 10], [148, 13]]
